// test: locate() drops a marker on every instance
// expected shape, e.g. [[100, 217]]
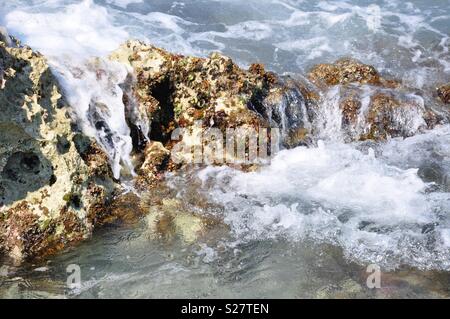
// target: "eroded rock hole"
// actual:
[[138, 138], [20, 165], [256, 103], [161, 123], [25, 172]]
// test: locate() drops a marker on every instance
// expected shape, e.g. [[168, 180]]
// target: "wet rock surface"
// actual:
[[372, 106], [207, 96], [346, 71], [52, 182], [174, 91]]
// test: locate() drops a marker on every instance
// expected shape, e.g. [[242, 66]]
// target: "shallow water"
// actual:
[[309, 224]]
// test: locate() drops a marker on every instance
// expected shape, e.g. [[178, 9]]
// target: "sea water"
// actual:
[[308, 224]]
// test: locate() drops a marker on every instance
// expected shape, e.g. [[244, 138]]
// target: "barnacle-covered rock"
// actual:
[[53, 180], [171, 219], [176, 91], [391, 116], [156, 160], [377, 114], [190, 93], [345, 71], [193, 103]]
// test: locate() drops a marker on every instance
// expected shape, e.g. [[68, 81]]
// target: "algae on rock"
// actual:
[[51, 188]]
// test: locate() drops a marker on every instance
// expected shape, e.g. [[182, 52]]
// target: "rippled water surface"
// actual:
[[309, 224]]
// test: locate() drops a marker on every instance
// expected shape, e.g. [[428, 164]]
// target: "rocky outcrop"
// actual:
[[372, 107], [195, 94], [176, 90], [346, 71], [54, 181], [56, 184], [208, 96]]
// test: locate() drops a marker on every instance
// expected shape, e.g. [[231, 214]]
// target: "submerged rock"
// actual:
[[444, 93], [53, 180], [345, 289], [171, 218]]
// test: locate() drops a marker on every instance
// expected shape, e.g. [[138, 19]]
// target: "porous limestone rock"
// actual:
[[174, 91], [205, 97], [54, 181]]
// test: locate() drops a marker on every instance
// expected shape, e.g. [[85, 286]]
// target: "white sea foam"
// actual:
[[70, 39], [375, 210], [314, 47], [79, 30]]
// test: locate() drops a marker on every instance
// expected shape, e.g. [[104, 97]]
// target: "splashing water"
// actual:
[[374, 210], [75, 40], [386, 203]]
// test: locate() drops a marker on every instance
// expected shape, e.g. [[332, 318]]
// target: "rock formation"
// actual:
[[204, 95], [56, 184], [372, 107], [54, 181], [174, 91]]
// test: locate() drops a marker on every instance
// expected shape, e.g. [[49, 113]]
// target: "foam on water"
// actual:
[[291, 35], [285, 35], [374, 209], [77, 30], [123, 3]]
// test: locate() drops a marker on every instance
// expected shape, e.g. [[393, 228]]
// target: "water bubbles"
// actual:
[[334, 193]]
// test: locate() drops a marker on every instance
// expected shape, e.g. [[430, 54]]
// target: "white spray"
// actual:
[[71, 39]]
